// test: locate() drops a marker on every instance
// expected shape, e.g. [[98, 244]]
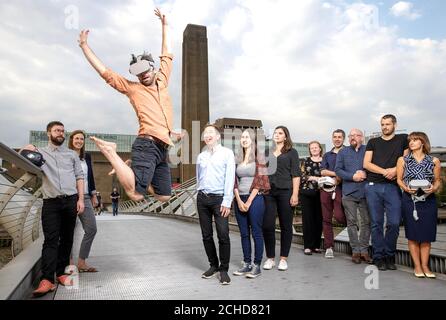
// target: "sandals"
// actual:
[[89, 269]]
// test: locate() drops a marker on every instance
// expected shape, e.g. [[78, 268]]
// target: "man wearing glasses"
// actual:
[[349, 167], [149, 172]]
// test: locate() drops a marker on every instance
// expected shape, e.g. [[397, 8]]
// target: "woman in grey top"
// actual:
[[87, 218], [250, 184]]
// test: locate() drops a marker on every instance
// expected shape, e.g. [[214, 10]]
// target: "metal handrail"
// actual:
[[20, 210], [184, 193], [18, 160]]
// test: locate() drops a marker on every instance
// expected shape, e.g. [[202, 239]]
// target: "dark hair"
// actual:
[[213, 126], [50, 125], [71, 145], [144, 56], [339, 131], [288, 143], [389, 116], [318, 143], [417, 135]]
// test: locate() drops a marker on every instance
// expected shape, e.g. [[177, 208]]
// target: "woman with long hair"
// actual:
[[77, 143], [251, 181], [284, 177], [419, 207]]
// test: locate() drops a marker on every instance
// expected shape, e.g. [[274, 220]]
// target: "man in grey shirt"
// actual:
[[63, 200]]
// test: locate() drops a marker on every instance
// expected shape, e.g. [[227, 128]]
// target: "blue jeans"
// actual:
[[115, 208], [248, 222], [384, 197]]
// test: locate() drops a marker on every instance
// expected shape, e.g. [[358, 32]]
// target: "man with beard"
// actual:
[[349, 167], [63, 200], [382, 191]]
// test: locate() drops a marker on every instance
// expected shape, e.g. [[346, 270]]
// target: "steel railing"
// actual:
[[20, 207], [182, 202]]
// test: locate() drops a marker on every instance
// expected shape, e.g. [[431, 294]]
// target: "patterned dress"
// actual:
[[311, 205], [310, 168], [425, 228]]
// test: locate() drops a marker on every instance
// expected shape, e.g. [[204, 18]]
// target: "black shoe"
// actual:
[[224, 278], [381, 264], [208, 274], [390, 263]]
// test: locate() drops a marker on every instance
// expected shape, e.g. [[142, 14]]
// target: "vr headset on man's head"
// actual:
[[141, 63]]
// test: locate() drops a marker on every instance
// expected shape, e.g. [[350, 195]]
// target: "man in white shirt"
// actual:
[[215, 184]]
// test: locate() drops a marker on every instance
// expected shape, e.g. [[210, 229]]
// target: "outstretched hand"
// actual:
[[83, 37], [160, 15]]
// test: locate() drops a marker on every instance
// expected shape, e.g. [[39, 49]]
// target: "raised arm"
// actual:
[[89, 54], [165, 44]]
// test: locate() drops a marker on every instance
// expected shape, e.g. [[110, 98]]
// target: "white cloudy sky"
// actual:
[[311, 65]]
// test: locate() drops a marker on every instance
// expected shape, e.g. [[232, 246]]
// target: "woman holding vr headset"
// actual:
[[418, 174]]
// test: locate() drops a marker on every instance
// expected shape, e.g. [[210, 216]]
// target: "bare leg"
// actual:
[[157, 196], [414, 249], [125, 174], [127, 162], [425, 249]]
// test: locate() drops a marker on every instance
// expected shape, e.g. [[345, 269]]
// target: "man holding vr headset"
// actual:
[[149, 172]]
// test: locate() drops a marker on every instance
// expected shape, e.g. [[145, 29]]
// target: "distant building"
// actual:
[[232, 141]]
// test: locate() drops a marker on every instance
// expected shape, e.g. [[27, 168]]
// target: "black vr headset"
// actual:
[[35, 157]]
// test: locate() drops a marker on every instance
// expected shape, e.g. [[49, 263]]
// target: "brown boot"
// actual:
[[356, 258], [365, 257]]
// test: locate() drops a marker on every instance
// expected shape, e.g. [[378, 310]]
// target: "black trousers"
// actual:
[[208, 206], [311, 219], [58, 222], [278, 200]]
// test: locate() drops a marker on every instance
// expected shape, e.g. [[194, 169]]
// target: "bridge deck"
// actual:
[[158, 258]]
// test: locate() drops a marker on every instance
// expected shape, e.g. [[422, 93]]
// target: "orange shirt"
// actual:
[[152, 104]]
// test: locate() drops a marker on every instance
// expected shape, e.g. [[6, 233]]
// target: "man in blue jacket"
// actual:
[[349, 167]]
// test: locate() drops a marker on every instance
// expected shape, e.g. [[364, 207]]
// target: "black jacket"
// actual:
[[91, 185]]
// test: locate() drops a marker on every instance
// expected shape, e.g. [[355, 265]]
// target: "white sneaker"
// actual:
[[283, 265], [329, 253], [269, 264], [71, 269]]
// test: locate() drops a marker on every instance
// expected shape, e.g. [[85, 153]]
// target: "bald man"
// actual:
[[349, 167]]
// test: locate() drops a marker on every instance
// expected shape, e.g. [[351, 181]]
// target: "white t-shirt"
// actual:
[[85, 170]]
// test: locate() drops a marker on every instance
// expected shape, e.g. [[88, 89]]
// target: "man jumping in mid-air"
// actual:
[[149, 172]]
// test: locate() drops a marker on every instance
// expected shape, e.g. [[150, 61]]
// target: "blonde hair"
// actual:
[[315, 142]]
